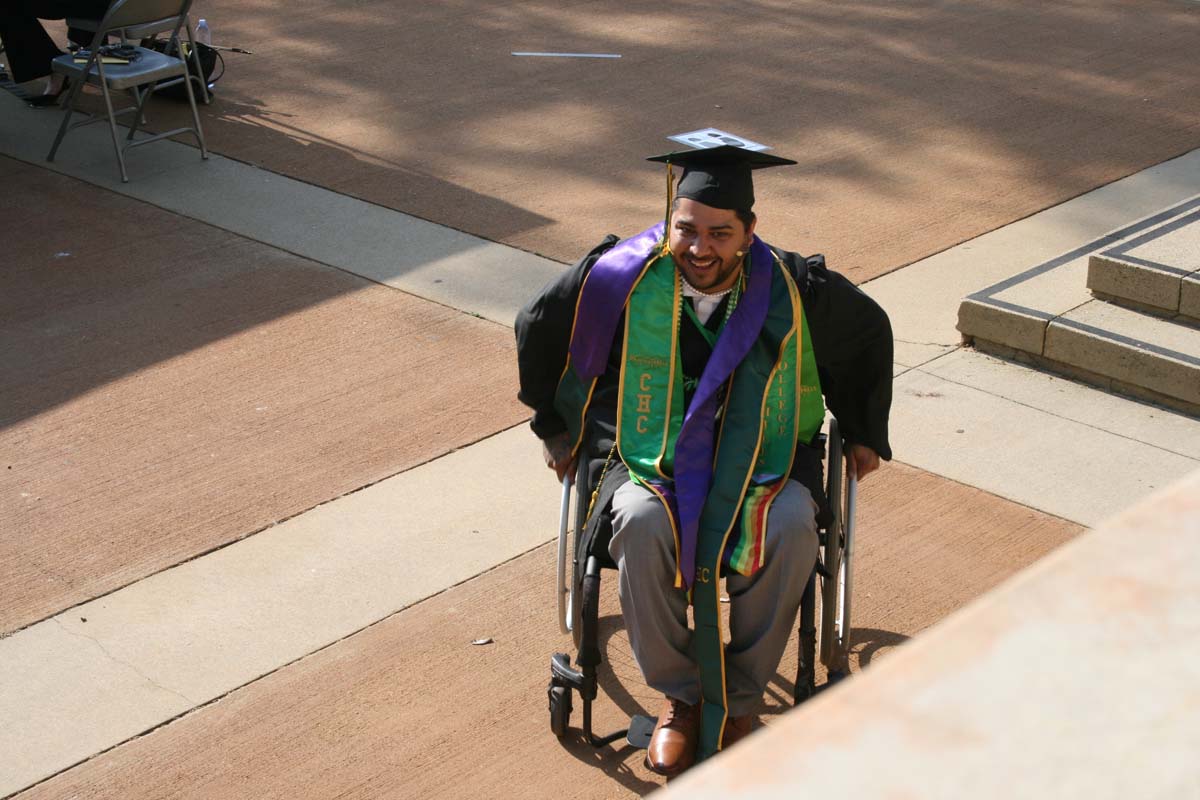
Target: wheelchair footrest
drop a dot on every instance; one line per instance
(640, 729)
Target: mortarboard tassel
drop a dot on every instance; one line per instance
(667, 217)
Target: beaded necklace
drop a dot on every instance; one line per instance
(735, 294)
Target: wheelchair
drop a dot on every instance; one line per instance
(577, 598)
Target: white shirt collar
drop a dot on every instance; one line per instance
(704, 302)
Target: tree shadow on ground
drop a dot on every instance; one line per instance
(33, 278)
(915, 125)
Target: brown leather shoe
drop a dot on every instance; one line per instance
(673, 744)
(736, 729)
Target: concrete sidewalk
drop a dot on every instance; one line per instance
(338, 576)
(1036, 430)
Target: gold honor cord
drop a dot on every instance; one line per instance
(670, 200)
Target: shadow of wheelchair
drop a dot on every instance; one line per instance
(865, 644)
(620, 681)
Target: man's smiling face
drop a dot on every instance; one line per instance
(704, 242)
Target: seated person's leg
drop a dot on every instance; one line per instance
(762, 607)
(643, 548)
(28, 48)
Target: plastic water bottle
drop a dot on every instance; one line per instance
(203, 33)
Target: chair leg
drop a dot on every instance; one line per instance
(140, 96)
(139, 101)
(187, 85)
(135, 96)
(72, 93)
(112, 124)
(195, 57)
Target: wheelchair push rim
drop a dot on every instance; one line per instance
(845, 584)
(563, 593)
(567, 593)
(831, 551)
(574, 600)
(837, 582)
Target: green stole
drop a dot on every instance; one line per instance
(772, 401)
(650, 408)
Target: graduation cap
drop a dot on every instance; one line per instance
(718, 176)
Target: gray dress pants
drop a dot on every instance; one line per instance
(762, 607)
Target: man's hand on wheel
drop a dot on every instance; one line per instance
(861, 460)
(557, 452)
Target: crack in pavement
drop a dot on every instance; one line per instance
(191, 703)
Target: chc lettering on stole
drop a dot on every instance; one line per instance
(643, 407)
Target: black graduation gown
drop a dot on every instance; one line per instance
(851, 340)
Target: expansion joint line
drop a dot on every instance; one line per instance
(952, 349)
(1042, 410)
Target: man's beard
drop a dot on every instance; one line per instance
(718, 273)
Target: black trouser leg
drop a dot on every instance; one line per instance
(28, 48)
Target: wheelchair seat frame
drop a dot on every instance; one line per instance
(577, 602)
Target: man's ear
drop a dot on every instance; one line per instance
(750, 230)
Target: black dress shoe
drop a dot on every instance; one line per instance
(47, 100)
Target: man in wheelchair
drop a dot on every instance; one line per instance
(687, 366)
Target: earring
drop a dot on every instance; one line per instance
(740, 253)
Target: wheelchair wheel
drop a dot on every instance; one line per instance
(560, 709)
(567, 588)
(562, 592)
(836, 618)
(806, 673)
(833, 544)
(575, 598)
(575, 604)
(845, 584)
(589, 615)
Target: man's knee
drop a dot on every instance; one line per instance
(792, 524)
(641, 525)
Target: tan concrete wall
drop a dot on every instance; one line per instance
(1076, 679)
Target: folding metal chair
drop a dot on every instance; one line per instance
(146, 70)
(141, 33)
